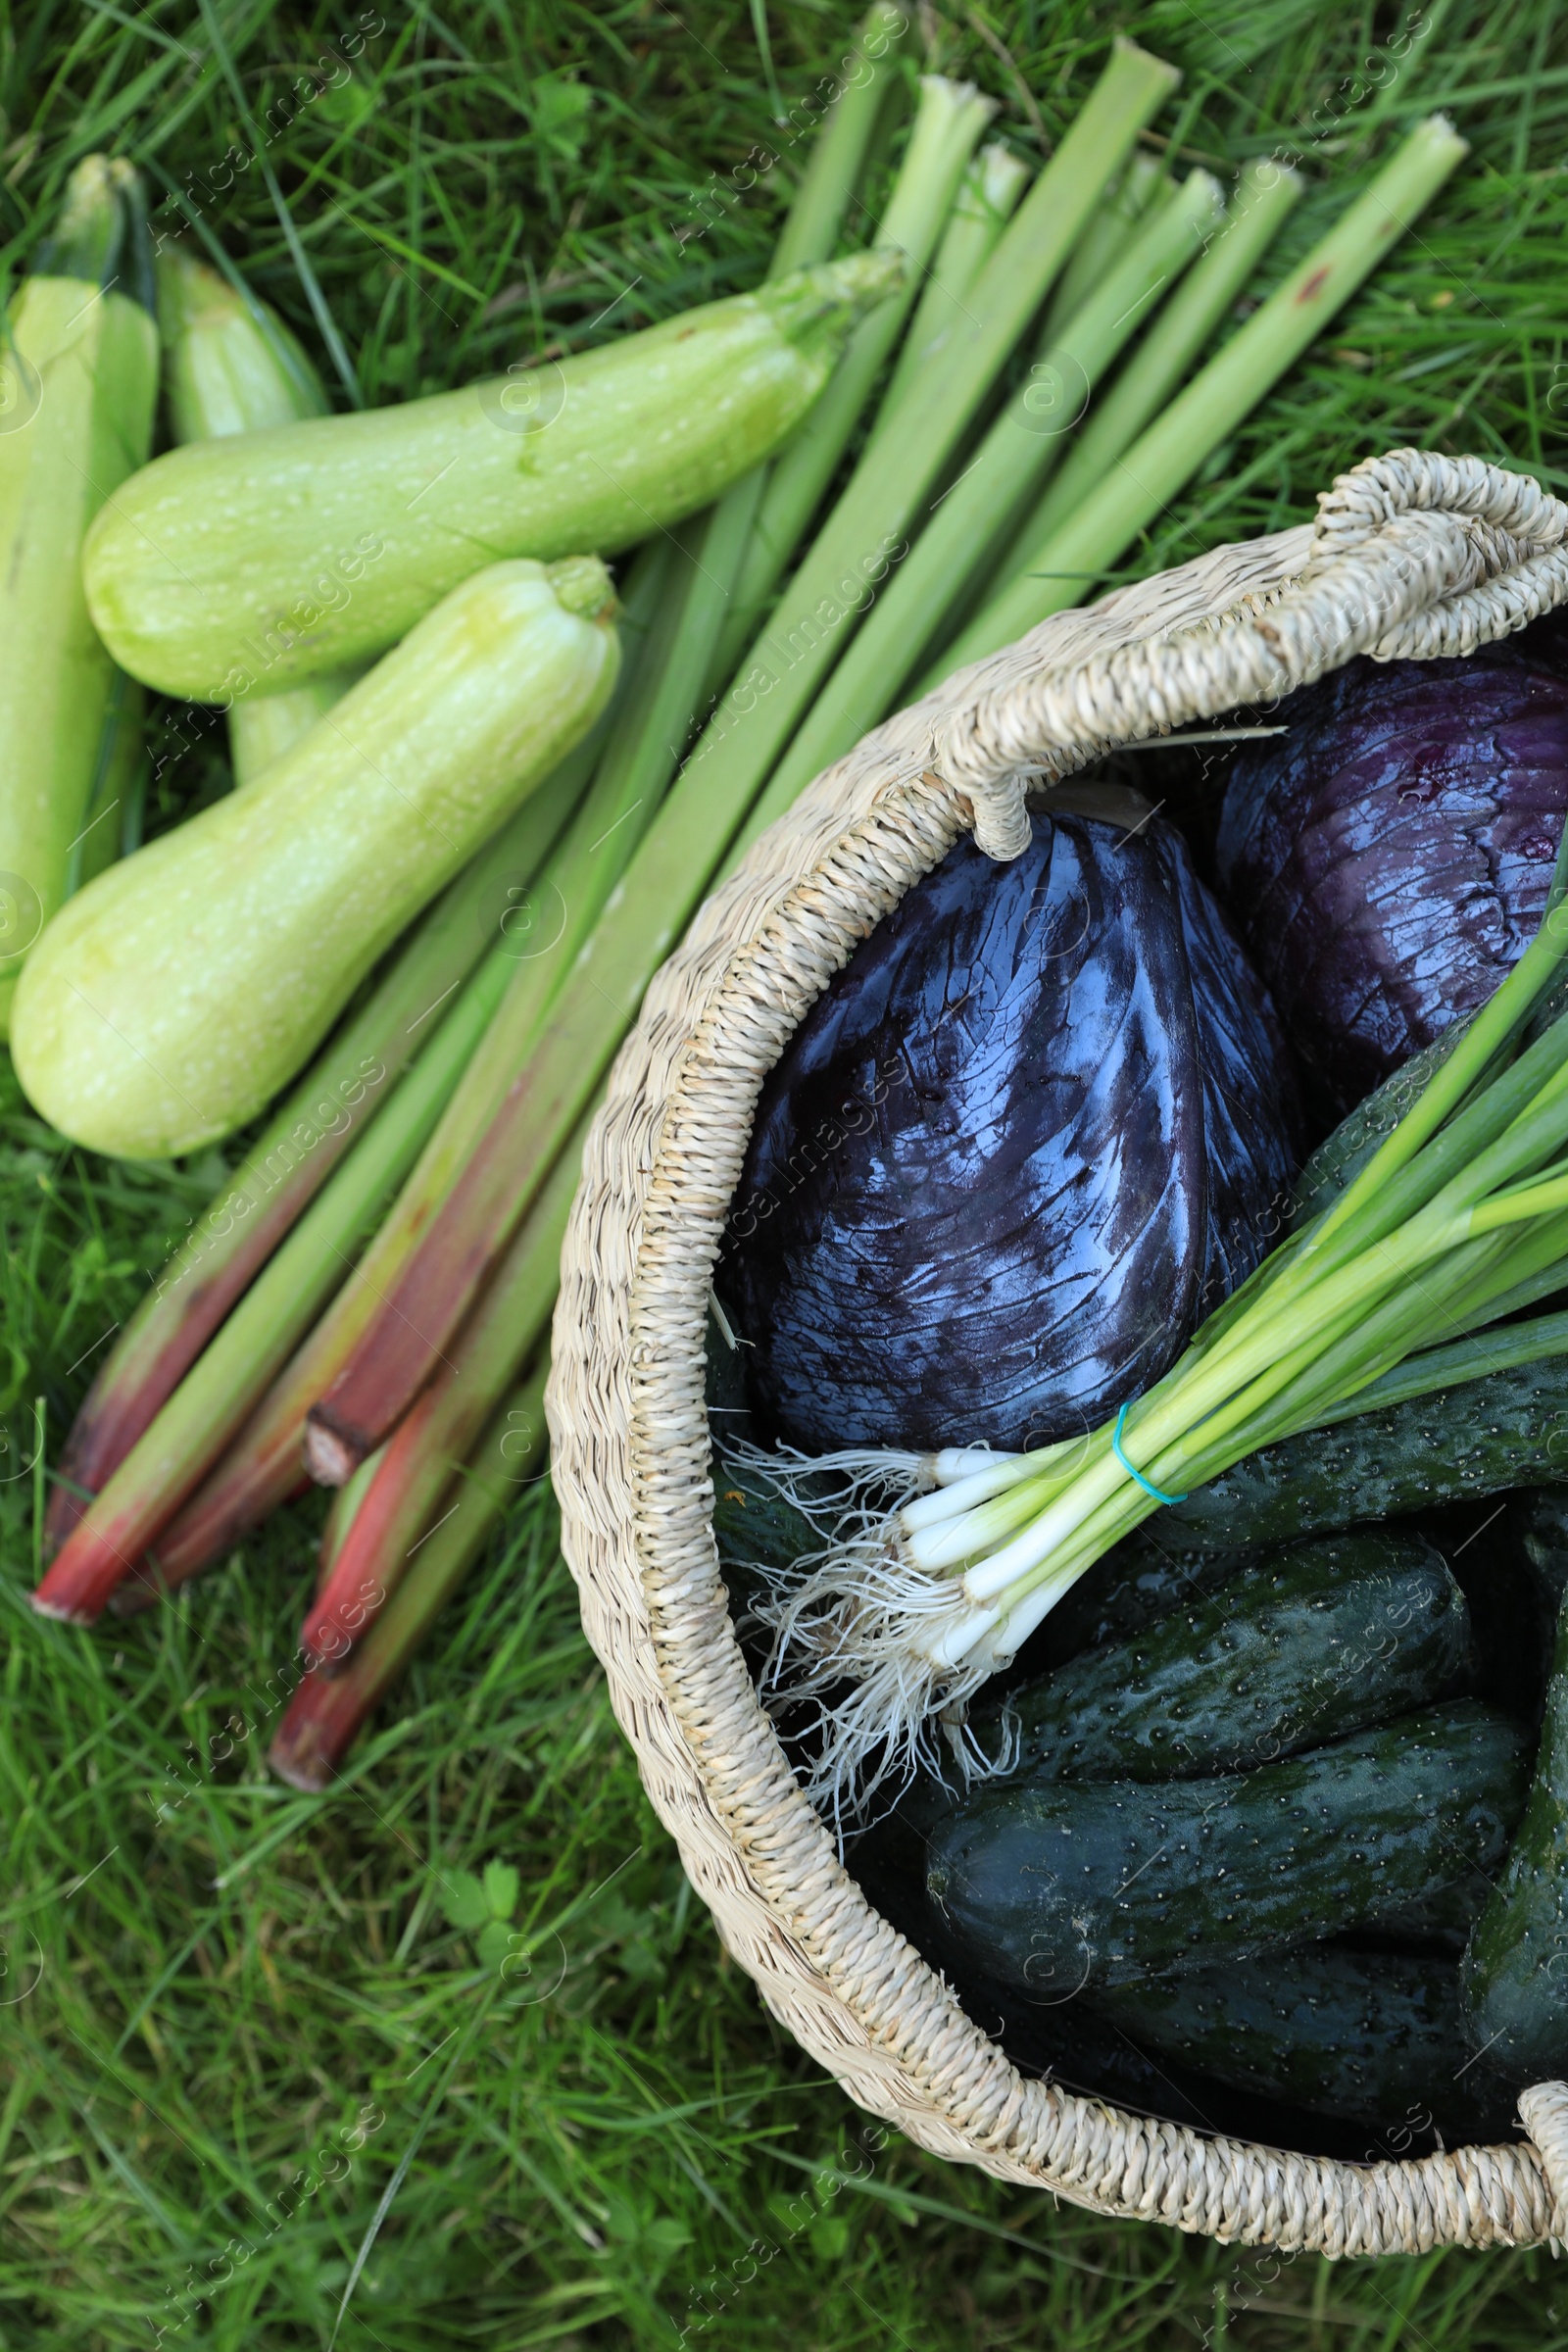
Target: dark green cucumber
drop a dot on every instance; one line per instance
(1509, 1429)
(756, 1529)
(1139, 1581)
(1059, 1886)
(1515, 1966)
(1374, 2036)
(1537, 1525)
(1438, 1925)
(1317, 1641)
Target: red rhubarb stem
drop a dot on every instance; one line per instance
(213, 1399)
(327, 1710)
(394, 1514)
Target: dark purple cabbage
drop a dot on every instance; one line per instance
(1387, 860)
(1032, 1131)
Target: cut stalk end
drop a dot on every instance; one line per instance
(333, 1454)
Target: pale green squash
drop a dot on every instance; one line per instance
(170, 1000)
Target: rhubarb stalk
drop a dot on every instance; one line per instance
(1219, 397)
(985, 203)
(481, 1363)
(323, 1116)
(211, 1402)
(951, 119)
(1017, 452)
(327, 1710)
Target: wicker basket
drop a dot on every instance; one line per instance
(1411, 555)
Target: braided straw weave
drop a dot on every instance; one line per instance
(1411, 555)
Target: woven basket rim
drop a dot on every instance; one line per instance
(1455, 555)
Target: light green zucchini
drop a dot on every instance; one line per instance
(78, 380)
(261, 559)
(173, 997)
(231, 366)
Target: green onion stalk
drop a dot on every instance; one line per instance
(683, 847)
(1460, 1212)
(328, 1708)
(231, 366)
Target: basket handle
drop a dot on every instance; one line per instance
(1543, 2112)
(1413, 556)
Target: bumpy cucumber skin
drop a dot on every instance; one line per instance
(1515, 1968)
(1318, 1641)
(1135, 1584)
(1507, 1429)
(1060, 1887)
(1377, 2036)
(1438, 1924)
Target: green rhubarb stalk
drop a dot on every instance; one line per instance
(118, 773)
(633, 777)
(78, 380)
(213, 1399)
(479, 1365)
(862, 536)
(1265, 195)
(346, 1501)
(263, 1462)
(1019, 449)
(1106, 236)
(838, 153)
(327, 1710)
(987, 199)
(320, 1121)
(834, 169)
(951, 119)
(231, 366)
(678, 855)
(635, 770)
(1164, 460)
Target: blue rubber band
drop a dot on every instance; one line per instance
(1131, 1468)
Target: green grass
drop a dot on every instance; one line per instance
(576, 2121)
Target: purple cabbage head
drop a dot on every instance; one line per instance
(1386, 859)
(1037, 1127)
